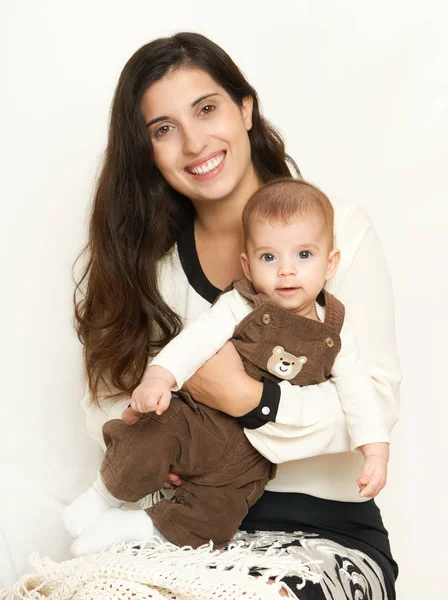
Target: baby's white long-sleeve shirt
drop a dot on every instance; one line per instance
(202, 338)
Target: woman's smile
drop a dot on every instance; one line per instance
(207, 168)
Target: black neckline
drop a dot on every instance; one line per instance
(189, 259)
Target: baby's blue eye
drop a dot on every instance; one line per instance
(304, 254)
(268, 257)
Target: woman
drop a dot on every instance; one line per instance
(187, 147)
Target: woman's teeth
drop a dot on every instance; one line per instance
(208, 166)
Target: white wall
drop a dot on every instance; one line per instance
(360, 92)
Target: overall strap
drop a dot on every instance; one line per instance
(334, 310)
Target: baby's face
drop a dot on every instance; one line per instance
(290, 263)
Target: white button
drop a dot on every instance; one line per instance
(265, 410)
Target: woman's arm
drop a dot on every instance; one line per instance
(223, 384)
(200, 340)
(314, 413)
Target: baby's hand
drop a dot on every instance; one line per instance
(154, 392)
(374, 473)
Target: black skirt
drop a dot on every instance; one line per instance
(347, 538)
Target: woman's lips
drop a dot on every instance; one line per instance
(208, 168)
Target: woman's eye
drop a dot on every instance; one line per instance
(161, 131)
(267, 257)
(208, 108)
(304, 254)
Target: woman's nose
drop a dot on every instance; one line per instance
(194, 140)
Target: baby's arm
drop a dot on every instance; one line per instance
(364, 418)
(202, 338)
(188, 351)
(154, 391)
(365, 422)
(374, 473)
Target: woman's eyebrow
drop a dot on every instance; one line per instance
(193, 104)
(196, 102)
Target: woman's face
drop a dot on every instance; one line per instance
(199, 136)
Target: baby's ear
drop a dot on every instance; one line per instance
(246, 266)
(333, 263)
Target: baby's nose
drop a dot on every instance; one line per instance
(287, 269)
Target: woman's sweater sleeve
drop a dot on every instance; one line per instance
(96, 416)
(312, 415)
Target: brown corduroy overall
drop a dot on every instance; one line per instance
(223, 475)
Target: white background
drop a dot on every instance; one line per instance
(360, 92)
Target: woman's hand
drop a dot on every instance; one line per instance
(222, 383)
(173, 481)
(130, 416)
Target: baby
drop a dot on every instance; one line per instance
(285, 326)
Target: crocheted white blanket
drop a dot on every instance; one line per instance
(157, 570)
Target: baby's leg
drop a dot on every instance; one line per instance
(114, 525)
(136, 464)
(84, 509)
(202, 513)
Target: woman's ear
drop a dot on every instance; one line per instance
(246, 266)
(333, 263)
(246, 110)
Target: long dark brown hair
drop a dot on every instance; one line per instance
(120, 316)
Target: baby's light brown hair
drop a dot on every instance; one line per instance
(280, 200)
